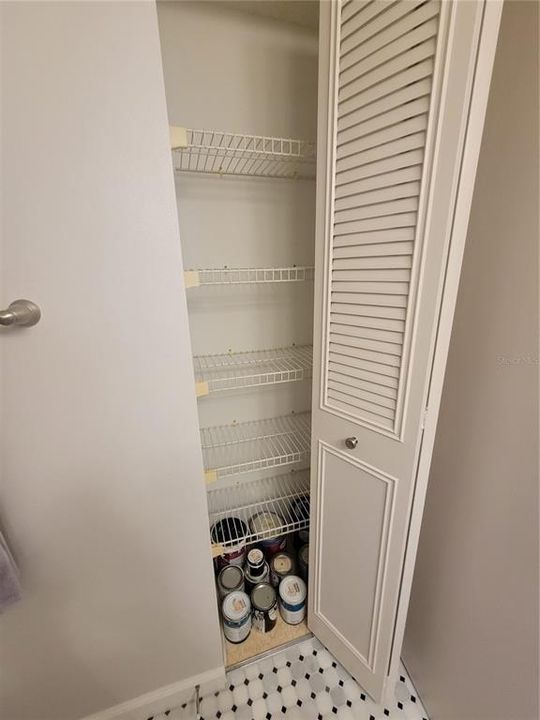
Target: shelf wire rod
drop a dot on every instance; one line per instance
(283, 494)
(229, 145)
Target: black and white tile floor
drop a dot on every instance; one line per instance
(301, 682)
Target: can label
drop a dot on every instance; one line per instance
(237, 631)
(252, 581)
(292, 614)
(234, 556)
(264, 620)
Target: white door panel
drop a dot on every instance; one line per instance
(395, 92)
(102, 499)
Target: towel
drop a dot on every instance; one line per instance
(10, 588)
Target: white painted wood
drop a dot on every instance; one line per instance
(467, 173)
(165, 698)
(376, 315)
(102, 497)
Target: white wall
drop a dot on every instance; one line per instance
(229, 70)
(102, 496)
(471, 643)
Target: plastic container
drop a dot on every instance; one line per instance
(292, 599)
(236, 611)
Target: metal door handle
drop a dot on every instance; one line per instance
(21, 312)
(351, 442)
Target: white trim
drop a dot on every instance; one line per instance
(165, 698)
(382, 562)
(471, 150)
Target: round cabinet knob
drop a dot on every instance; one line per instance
(351, 442)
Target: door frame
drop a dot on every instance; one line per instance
(489, 31)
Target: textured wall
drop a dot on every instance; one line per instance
(471, 639)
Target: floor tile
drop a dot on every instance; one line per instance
(301, 682)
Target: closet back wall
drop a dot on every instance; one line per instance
(232, 71)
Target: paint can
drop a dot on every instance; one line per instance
(230, 530)
(265, 523)
(265, 607)
(236, 611)
(301, 538)
(281, 565)
(230, 579)
(299, 508)
(256, 570)
(303, 562)
(292, 599)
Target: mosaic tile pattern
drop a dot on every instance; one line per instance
(301, 682)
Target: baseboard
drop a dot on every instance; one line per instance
(165, 698)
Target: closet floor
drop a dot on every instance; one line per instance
(301, 682)
(258, 643)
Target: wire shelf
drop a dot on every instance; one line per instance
(244, 447)
(246, 276)
(224, 153)
(231, 371)
(284, 495)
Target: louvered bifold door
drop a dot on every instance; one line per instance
(394, 99)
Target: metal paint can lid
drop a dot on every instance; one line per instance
(282, 564)
(230, 577)
(266, 521)
(292, 590)
(263, 597)
(236, 606)
(255, 558)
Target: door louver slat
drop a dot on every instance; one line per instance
(386, 65)
(348, 149)
(373, 251)
(378, 400)
(390, 183)
(360, 30)
(367, 11)
(362, 96)
(377, 237)
(399, 220)
(389, 348)
(391, 207)
(351, 71)
(391, 76)
(359, 50)
(373, 311)
(354, 382)
(376, 111)
(384, 158)
(375, 378)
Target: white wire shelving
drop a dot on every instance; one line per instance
(286, 496)
(224, 153)
(247, 276)
(232, 371)
(257, 445)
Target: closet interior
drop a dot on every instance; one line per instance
(241, 87)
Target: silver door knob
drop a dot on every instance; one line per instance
(351, 442)
(21, 312)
